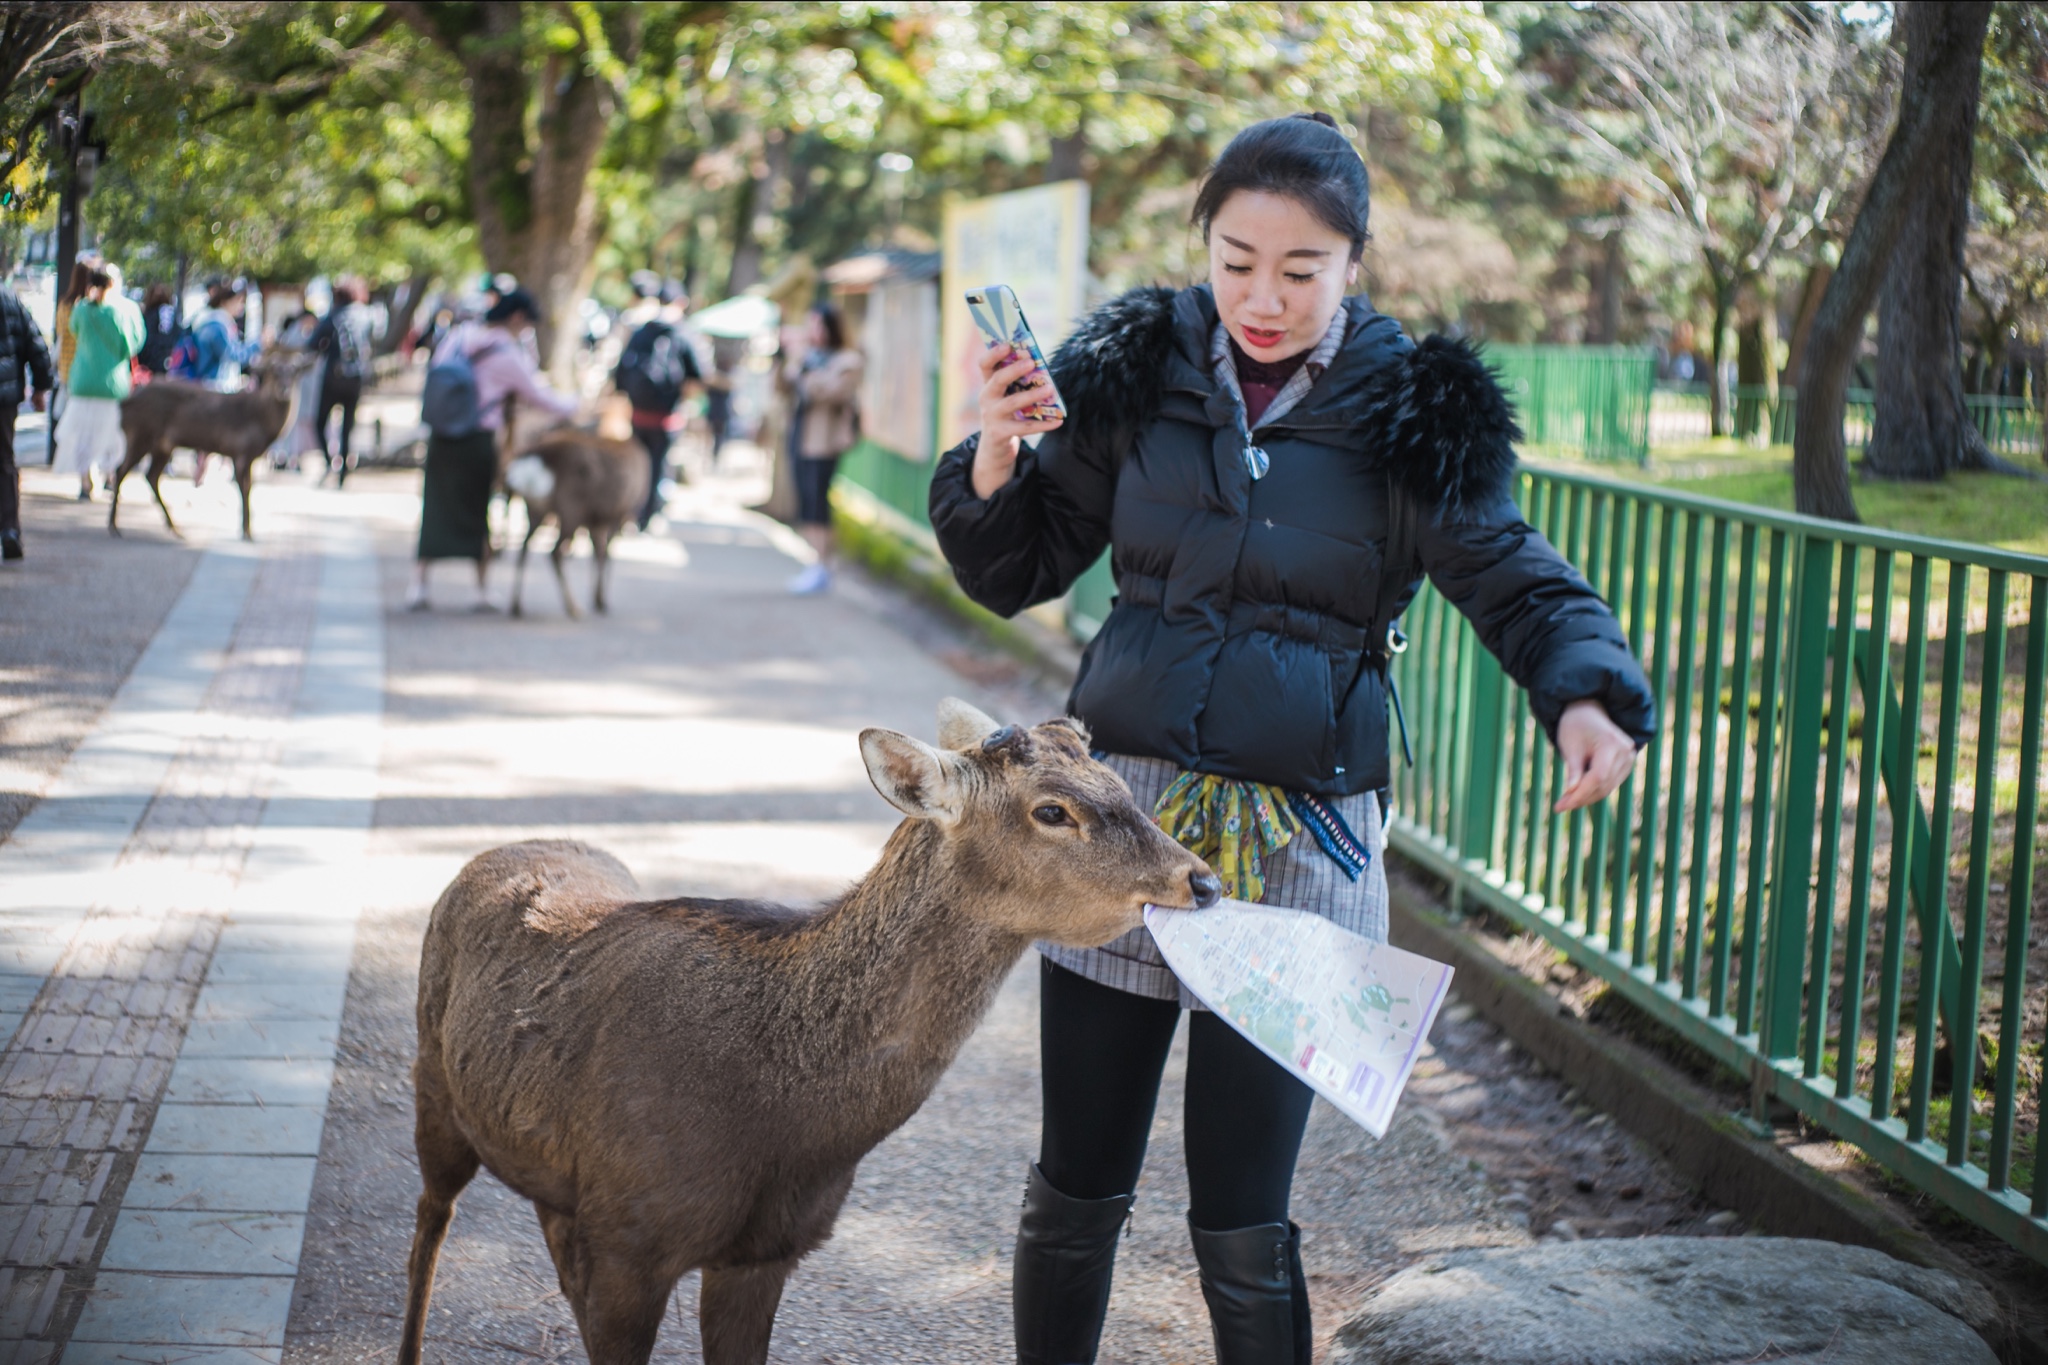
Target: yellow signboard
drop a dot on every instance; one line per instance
(1035, 241)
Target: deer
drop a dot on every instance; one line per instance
(690, 1084)
(159, 418)
(582, 482)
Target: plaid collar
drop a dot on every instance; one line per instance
(1298, 384)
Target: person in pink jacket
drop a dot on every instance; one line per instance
(461, 470)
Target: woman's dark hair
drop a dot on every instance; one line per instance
(219, 292)
(1303, 157)
(156, 296)
(80, 281)
(98, 279)
(511, 304)
(835, 326)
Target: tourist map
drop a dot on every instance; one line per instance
(1348, 1015)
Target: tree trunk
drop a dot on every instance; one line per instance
(535, 206)
(1717, 375)
(1613, 280)
(757, 203)
(1921, 428)
(1950, 43)
(1752, 364)
(1065, 161)
(1817, 277)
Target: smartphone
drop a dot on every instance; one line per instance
(1001, 320)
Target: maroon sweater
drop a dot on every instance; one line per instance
(1262, 380)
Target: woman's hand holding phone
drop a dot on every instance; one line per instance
(1002, 429)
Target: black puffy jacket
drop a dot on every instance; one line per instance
(21, 344)
(1245, 637)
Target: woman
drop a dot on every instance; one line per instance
(461, 470)
(107, 331)
(1273, 466)
(296, 333)
(826, 382)
(67, 343)
(160, 330)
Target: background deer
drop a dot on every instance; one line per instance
(691, 1083)
(581, 482)
(158, 418)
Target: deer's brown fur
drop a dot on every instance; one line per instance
(599, 484)
(690, 1084)
(160, 418)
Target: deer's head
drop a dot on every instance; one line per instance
(278, 369)
(1049, 841)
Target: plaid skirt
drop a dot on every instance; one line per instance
(1300, 876)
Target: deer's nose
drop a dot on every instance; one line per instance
(1208, 890)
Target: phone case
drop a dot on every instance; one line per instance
(1001, 320)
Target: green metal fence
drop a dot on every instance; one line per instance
(1594, 399)
(1822, 872)
(902, 485)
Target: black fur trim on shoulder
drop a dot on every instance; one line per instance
(1444, 427)
(1111, 369)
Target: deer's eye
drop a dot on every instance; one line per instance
(1052, 815)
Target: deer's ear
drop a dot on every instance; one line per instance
(962, 726)
(911, 775)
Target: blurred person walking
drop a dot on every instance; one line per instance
(299, 439)
(476, 371)
(213, 351)
(22, 348)
(655, 371)
(1273, 467)
(161, 330)
(67, 342)
(108, 331)
(344, 339)
(825, 425)
(718, 387)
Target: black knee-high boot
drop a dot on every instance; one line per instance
(1066, 1251)
(1257, 1294)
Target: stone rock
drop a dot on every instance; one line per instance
(1669, 1301)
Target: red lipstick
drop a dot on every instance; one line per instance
(1263, 339)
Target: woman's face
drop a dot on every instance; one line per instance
(816, 332)
(1279, 273)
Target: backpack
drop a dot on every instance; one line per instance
(448, 398)
(351, 356)
(654, 367)
(183, 362)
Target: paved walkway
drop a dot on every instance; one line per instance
(209, 927)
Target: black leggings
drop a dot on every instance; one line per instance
(1103, 1051)
(344, 395)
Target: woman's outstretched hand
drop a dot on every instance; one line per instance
(1597, 754)
(1001, 428)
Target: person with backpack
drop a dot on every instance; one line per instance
(654, 371)
(21, 348)
(476, 372)
(344, 338)
(217, 352)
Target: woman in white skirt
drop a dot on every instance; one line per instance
(109, 331)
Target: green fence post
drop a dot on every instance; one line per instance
(1487, 709)
(1793, 867)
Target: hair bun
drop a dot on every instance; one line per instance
(1318, 116)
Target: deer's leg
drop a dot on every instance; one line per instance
(447, 1162)
(245, 471)
(736, 1311)
(601, 555)
(128, 462)
(619, 1299)
(159, 461)
(558, 554)
(519, 568)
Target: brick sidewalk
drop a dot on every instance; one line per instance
(163, 1092)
